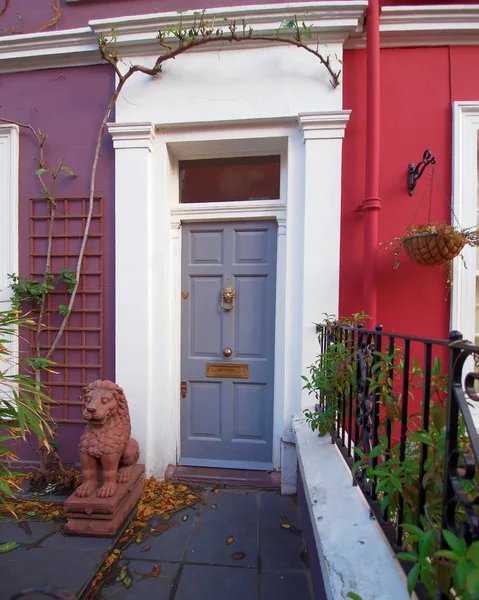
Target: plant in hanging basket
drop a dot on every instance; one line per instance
(432, 244)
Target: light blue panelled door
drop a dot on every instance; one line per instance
(227, 344)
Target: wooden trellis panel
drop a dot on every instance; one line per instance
(78, 356)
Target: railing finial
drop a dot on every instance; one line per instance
(455, 336)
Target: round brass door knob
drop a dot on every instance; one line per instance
(227, 352)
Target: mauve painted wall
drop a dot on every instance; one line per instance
(25, 16)
(416, 113)
(68, 105)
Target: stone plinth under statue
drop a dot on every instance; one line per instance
(112, 481)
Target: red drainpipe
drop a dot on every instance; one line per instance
(372, 204)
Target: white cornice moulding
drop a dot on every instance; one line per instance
(401, 26)
(334, 22)
(324, 125)
(136, 35)
(46, 50)
(132, 135)
(406, 26)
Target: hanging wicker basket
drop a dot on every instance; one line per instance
(433, 248)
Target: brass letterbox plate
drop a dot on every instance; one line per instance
(233, 370)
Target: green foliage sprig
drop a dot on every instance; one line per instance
(331, 374)
(27, 289)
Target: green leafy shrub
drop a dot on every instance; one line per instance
(22, 400)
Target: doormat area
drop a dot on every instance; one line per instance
(224, 478)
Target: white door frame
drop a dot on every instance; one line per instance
(465, 128)
(184, 146)
(148, 221)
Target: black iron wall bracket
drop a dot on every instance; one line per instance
(414, 172)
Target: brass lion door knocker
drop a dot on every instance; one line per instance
(228, 298)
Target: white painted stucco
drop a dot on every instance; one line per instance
(223, 102)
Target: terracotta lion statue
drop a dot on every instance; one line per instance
(106, 439)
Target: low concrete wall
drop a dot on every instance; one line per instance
(308, 535)
(353, 554)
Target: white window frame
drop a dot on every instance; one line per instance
(9, 169)
(464, 198)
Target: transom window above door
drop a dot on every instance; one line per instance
(230, 179)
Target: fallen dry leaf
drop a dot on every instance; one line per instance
(144, 549)
(184, 518)
(217, 491)
(230, 539)
(155, 571)
(291, 505)
(285, 525)
(213, 506)
(238, 555)
(175, 524)
(158, 498)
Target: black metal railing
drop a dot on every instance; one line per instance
(402, 400)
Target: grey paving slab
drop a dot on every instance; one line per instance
(144, 587)
(235, 516)
(170, 544)
(286, 585)
(69, 542)
(195, 559)
(202, 582)
(279, 548)
(14, 532)
(24, 568)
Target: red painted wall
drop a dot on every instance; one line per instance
(418, 86)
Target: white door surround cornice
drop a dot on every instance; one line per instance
(137, 35)
(132, 135)
(324, 125)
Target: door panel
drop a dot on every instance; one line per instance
(228, 421)
(205, 327)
